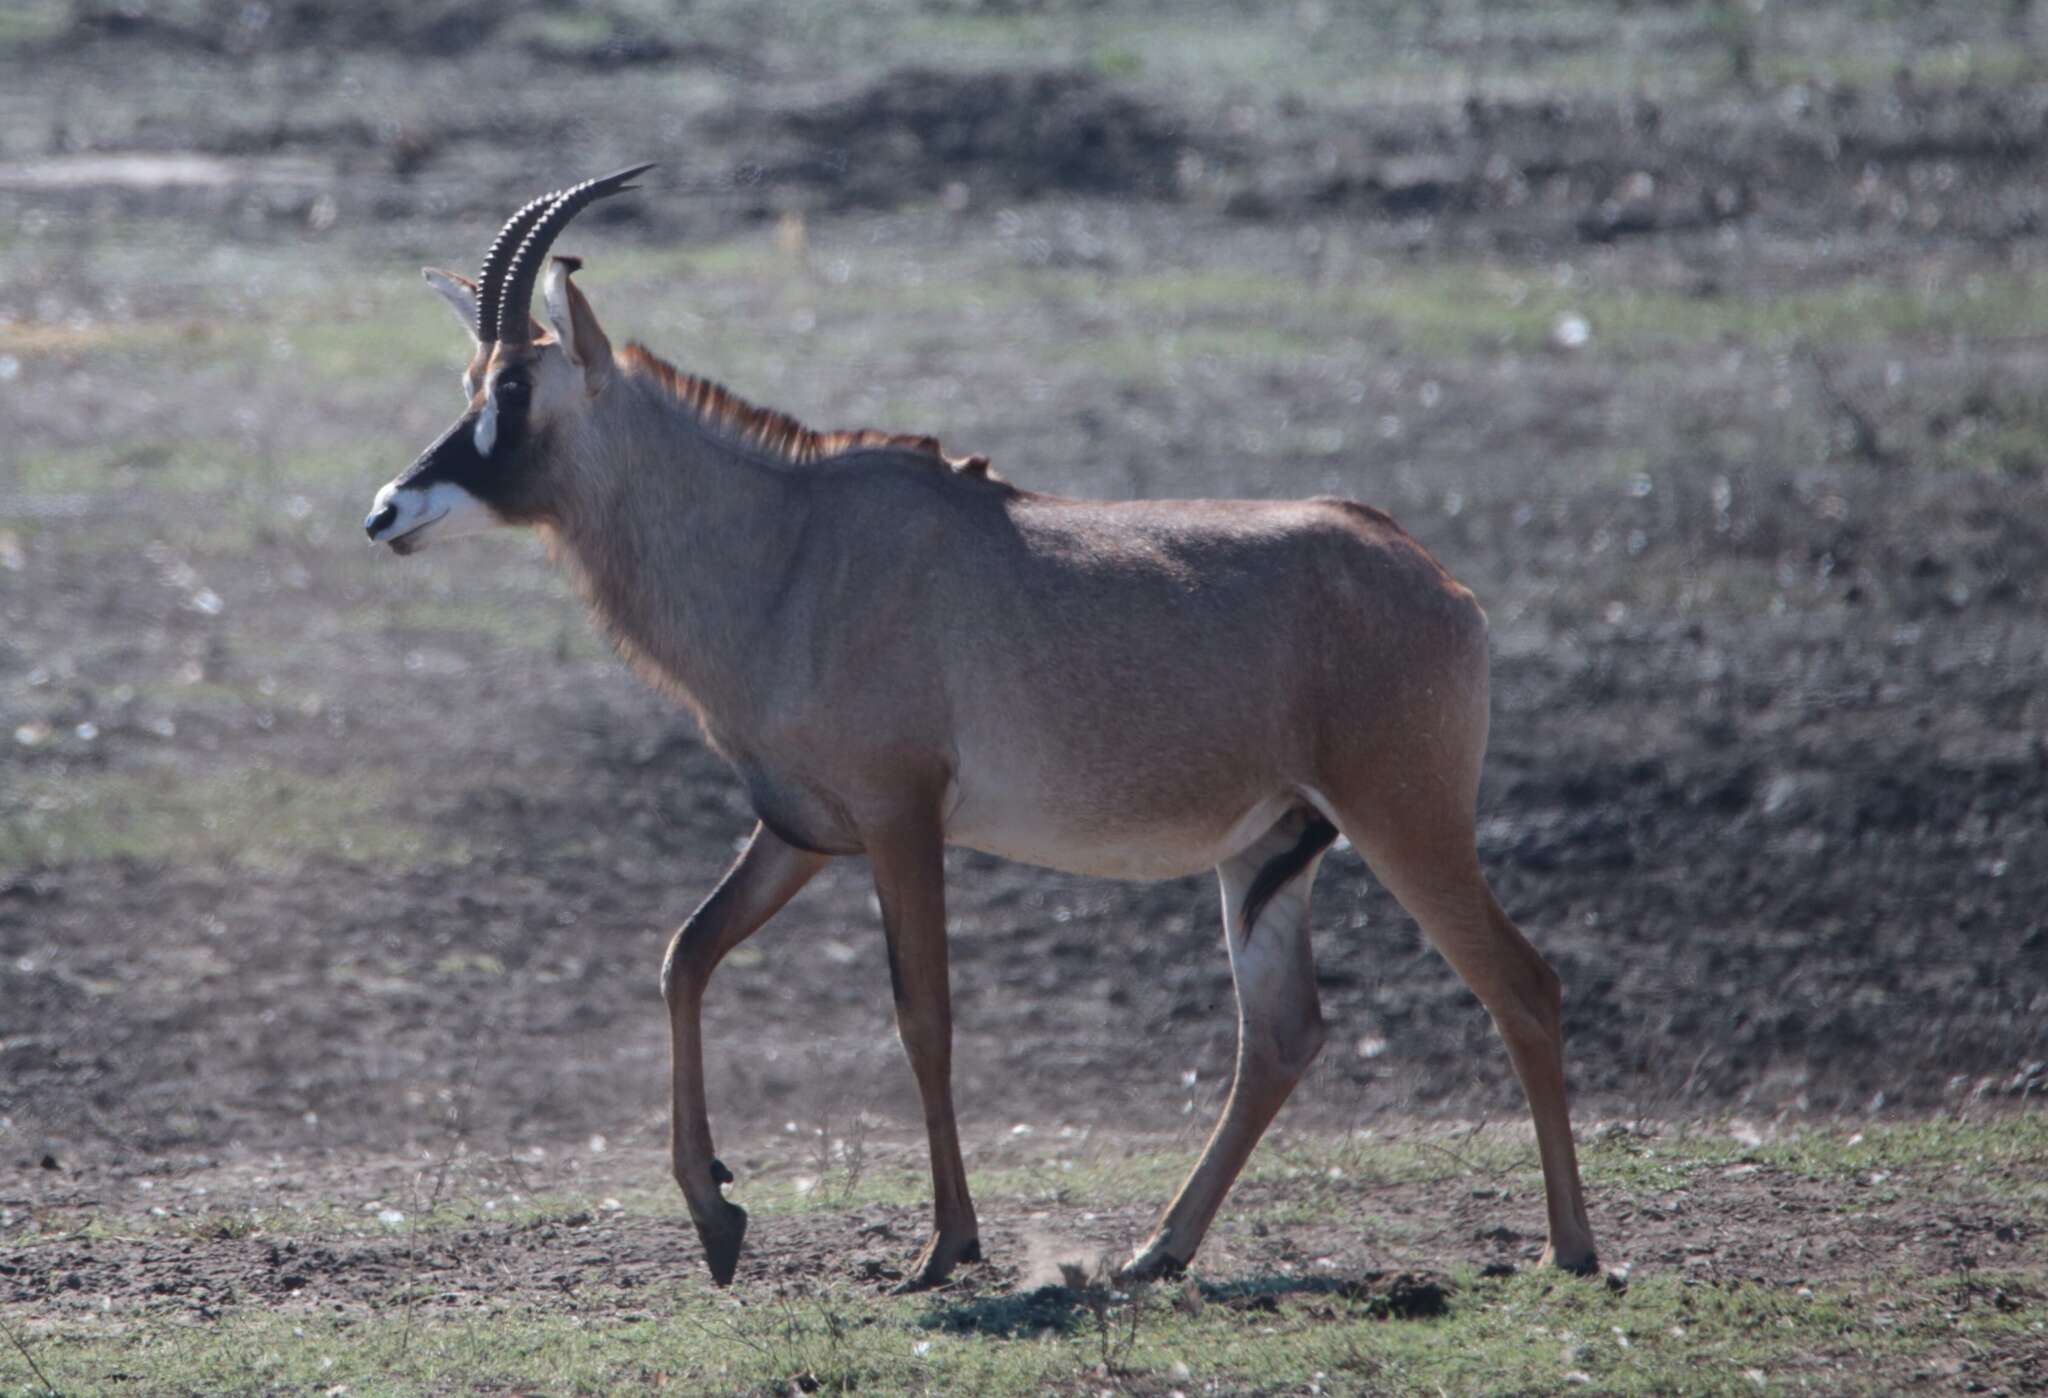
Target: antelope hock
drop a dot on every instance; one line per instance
(895, 650)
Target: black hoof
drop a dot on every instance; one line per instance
(721, 1238)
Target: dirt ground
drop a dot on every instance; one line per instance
(305, 869)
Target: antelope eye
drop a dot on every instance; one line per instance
(513, 388)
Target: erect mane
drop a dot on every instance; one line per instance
(778, 434)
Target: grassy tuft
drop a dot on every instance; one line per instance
(264, 819)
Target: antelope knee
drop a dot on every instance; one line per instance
(1290, 1048)
(681, 972)
(1543, 998)
(668, 978)
(1307, 1042)
(1533, 1017)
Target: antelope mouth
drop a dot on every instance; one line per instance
(413, 539)
(405, 519)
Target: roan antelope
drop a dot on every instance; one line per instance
(896, 651)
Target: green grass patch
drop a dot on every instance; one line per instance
(1474, 308)
(117, 341)
(1523, 1333)
(1288, 1329)
(686, 272)
(1151, 324)
(32, 21)
(1339, 54)
(1295, 1176)
(525, 610)
(185, 467)
(2005, 1157)
(1987, 63)
(264, 819)
(382, 337)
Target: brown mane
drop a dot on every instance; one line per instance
(775, 433)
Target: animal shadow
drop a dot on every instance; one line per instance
(1062, 1310)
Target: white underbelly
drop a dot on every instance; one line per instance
(1077, 839)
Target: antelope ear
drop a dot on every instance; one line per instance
(576, 327)
(458, 291)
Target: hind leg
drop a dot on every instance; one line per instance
(1427, 860)
(1279, 1025)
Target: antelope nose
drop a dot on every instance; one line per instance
(379, 520)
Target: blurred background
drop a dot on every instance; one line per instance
(1706, 341)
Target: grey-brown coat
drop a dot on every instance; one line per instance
(897, 650)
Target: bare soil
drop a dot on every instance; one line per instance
(1763, 1224)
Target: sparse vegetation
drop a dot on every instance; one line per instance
(260, 819)
(1683, 1314)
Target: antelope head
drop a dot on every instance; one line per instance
(527, 385)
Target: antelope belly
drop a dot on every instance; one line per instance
(1079, 839)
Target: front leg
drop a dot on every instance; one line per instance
(910, 881)
(767, 874)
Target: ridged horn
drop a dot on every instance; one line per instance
(515, 301)
(490, 280)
